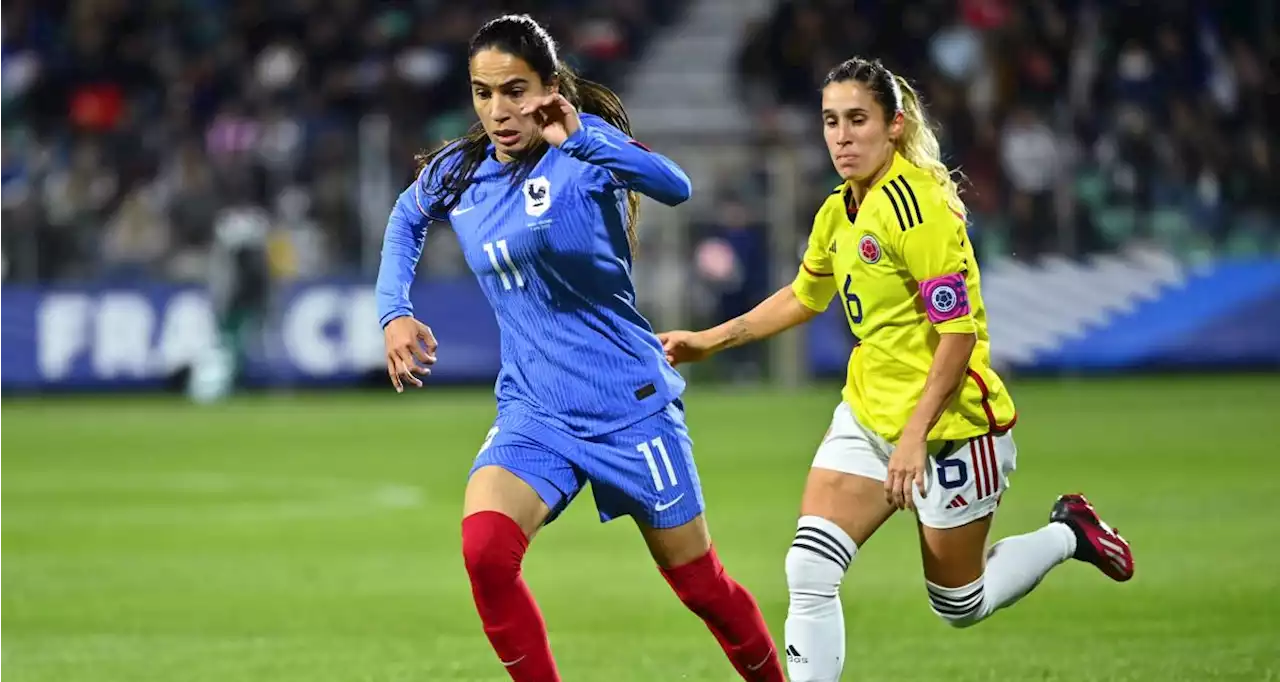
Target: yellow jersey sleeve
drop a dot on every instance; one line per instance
(815, 284)
(930, 238)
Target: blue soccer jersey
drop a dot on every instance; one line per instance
(584, 392)
(552, 256)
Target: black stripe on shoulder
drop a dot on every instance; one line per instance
(897, 211)
(915, 204)
(906, 207)
(838, 190)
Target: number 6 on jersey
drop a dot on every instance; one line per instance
(852, 304)
(510, 266)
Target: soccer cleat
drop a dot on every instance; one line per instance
(1096, 542)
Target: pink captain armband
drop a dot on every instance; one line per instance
(945, 298)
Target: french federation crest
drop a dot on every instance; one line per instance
(537, 196)
(869, 249)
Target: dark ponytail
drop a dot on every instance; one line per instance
(590, 97)
(519, 35)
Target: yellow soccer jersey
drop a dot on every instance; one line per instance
(903, 267)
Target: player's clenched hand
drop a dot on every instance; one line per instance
(685, 346)
(411, 347)
(555, 115)
(906, 469)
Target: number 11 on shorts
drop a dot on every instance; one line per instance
(647, 451)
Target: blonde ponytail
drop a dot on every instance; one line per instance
(919, 144)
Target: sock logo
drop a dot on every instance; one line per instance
(793, 655)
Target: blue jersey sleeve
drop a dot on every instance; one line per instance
(401, 248)
(415, 209)
(654, 175)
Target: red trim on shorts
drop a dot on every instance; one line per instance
(816, 274)
(986, 470)
(977, 470)
(993, 481)
(984, 448)
(996, 427)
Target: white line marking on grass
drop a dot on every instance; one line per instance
(179, 498)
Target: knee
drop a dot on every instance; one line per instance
(959, 607)
(492, 547)
(701, 583)
(819, 557)
(812, 574)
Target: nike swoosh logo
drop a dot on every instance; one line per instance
(508, 665)
(460, 211)
(663, 506)
(759, 665)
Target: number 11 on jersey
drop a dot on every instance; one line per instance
(653, 464)
(510, 266)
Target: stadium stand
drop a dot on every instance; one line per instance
(1117, 155)
(1082, 126)
(1118, 158)
(131, 128)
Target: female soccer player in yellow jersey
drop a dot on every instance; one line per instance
(924, 424)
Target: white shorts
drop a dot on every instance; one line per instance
(964, 479)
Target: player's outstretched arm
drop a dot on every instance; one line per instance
(935, 256)
(636, 167)
(945, 378)
(601, 144)
(410, 344)
(401, 247)
(776, 314)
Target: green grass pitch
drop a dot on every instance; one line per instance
(315, 539)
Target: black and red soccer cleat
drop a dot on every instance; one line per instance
(1096, 542)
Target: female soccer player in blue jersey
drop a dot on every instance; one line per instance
(542, 197)
(925, 423)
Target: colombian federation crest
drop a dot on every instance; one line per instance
(944, 298)
(537, 196)
(869, 249)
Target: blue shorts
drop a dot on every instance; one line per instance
(645, 471)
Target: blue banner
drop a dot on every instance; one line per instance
(327, 332)
(315, 333)
(1110, 315)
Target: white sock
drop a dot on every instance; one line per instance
(1014, 567)
(816, 563)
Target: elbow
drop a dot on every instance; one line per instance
(678, 190)
(677, 187)
(684, 189)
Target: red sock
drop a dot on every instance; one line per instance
(731, 614)
(493, 546)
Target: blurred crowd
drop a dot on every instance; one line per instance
(1080, 124)
(137, 133)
